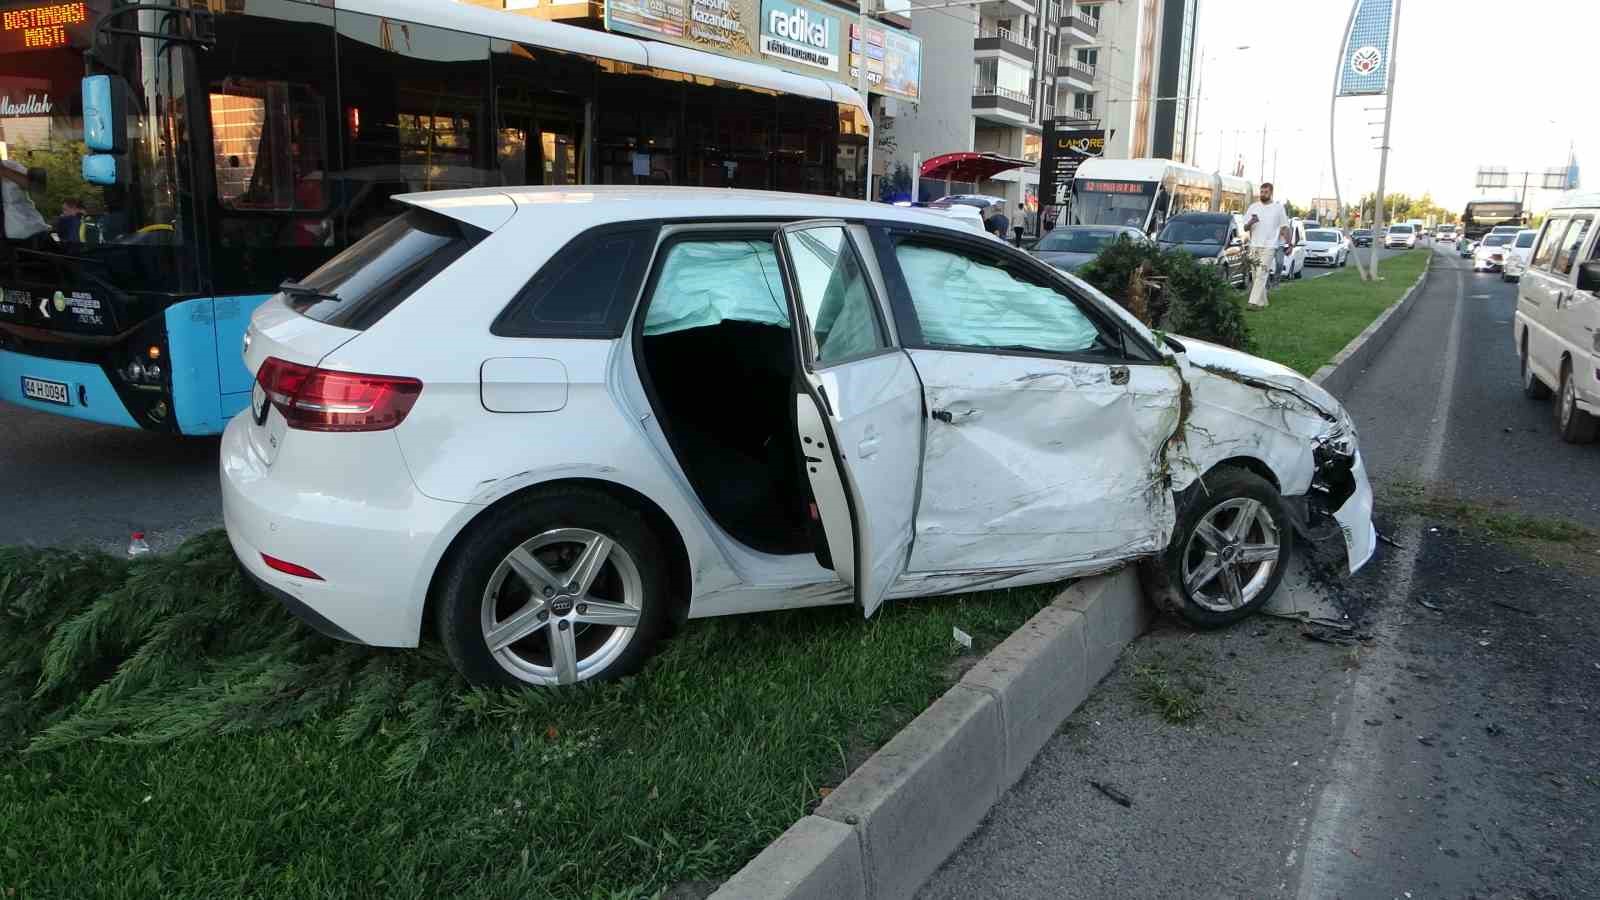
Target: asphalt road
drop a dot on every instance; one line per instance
(1453, 754)
(69, 483)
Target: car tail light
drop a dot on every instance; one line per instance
(289, 568)
(313, 399)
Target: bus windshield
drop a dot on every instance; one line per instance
(1101, 202)
(61, 231)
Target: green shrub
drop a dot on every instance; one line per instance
(1180, 295)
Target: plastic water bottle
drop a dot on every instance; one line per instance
(137, 545)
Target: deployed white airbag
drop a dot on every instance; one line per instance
(961, 303)
(705, 282)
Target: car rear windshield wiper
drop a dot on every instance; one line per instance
(305, 290)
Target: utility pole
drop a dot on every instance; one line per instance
(1383, 157)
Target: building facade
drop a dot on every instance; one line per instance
(1127, 66)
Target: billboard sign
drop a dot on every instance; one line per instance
(1365, 69)
(1064, 150)
(801, 36)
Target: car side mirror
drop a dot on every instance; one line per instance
(1589, 276)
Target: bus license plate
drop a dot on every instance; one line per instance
(48, 391)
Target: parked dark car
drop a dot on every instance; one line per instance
(1362, 237)
(1213, 238)
(1070, 246)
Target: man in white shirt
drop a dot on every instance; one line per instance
(1268, 224)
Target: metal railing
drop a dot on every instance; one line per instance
(1082, 23)
(994, 90)
(1079, 115)
(1080, 68)
(1006, 34)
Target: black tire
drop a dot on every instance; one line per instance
(1532, 387)
(1573, 424)
(462, 591)
(1163, 575)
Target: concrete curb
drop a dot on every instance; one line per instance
(1341, 373)
(895, 820)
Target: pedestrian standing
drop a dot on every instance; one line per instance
(1268, 225)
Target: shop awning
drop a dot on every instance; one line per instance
(970, 167)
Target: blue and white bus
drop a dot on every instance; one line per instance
(236, 144)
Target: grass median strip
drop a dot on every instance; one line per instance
(172, 733)
(1309, 321)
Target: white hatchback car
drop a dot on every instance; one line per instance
(1326, 247)
(559, 420)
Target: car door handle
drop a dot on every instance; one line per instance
(956, 418)
(1561, 297)
(868, 447)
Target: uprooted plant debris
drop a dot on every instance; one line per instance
(160, 648)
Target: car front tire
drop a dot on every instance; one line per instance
(1229, 550)
(556, 587)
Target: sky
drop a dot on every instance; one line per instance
(1476, 83)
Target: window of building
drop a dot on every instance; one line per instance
(1089, 56)
(1083, 105)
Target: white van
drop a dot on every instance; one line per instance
(1558, 314)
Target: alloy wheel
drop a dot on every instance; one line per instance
(561, 607)
(1231, 555)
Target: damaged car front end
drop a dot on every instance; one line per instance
(1297, 430)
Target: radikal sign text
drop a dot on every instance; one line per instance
(799, 34)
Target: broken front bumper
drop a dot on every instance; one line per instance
(1339, 503)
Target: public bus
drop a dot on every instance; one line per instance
(236, 144)
(1482, 216)
(1144, 193)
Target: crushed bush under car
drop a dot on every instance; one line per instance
(561, 420)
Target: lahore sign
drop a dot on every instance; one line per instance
(1064, 151)
(797, 35)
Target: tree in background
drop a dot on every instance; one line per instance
(1295, 212)
(62, 163)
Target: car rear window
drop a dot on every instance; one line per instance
(377, 273)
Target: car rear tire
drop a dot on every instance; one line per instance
(1574, 425)
(556, 587)
(1532, 387)
(1229, 550)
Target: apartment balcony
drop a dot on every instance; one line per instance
(995, 41)
(1008, 9)
(1078, 76)
(1078, 118)
(1001, 106)
(1077, 29)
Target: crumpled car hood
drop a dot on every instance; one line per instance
(1216, 357)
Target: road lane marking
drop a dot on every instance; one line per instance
(1334, 828)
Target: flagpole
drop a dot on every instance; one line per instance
(1383, 153)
